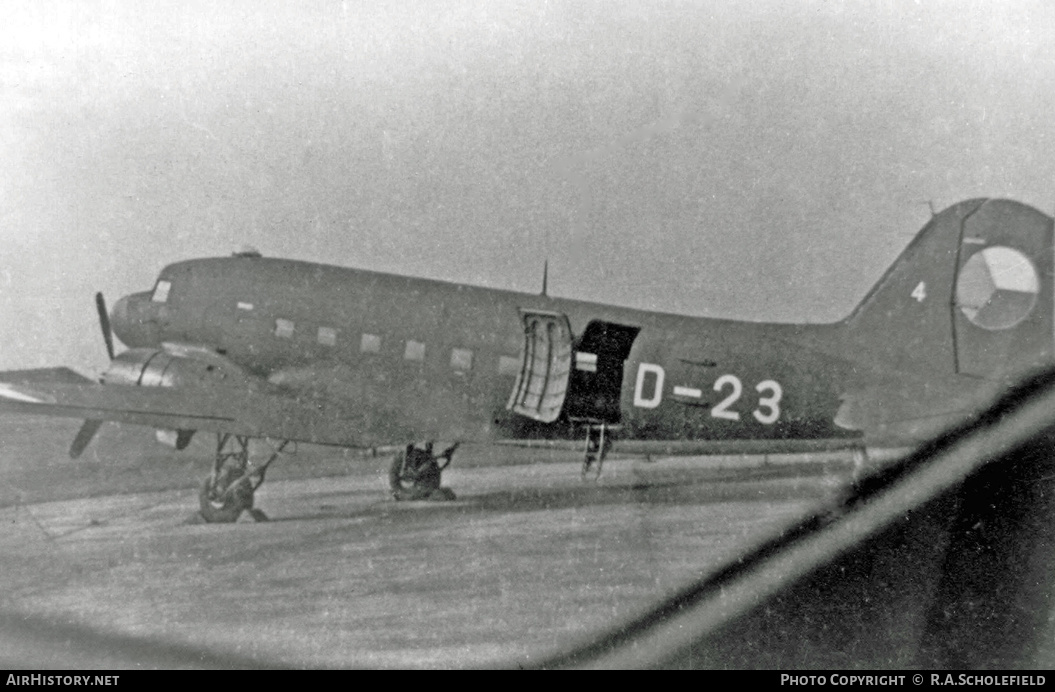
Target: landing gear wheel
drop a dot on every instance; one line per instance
(414, 474)
(228, 490)
(220, 505)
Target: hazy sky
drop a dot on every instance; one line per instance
(764, 160)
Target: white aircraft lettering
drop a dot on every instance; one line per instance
(657, 393)
(767, 412)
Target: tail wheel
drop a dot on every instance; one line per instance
(414, 474)
(221, 504)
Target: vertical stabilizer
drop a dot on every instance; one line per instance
(970, 295)
(1003, 301)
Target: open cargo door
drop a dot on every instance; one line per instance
(542, 382)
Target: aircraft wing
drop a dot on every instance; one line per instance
(63, 392)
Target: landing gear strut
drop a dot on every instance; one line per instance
(229, 489)
(415, 474)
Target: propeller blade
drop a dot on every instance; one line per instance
(104, 322)
(84, 436)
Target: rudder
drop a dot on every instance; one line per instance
(1003, 300)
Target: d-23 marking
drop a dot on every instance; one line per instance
(650, 383)
(766, 399)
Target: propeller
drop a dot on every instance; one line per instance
(104, 322)
(84, 436)
(91, 426)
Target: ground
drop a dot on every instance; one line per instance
(527, 561)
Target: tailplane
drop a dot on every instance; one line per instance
(972, 294)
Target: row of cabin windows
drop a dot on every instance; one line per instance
(461, 358)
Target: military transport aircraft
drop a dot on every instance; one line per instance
(251, 347)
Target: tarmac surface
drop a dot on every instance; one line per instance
(527, 561)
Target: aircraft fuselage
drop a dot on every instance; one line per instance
(373, 359)
(442, 359)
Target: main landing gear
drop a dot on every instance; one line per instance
(228, 490)
(415, 474)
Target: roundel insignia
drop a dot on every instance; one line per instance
(997, 288)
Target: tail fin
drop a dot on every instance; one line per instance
(972, 294)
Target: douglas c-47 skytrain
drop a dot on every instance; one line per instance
(253, 347)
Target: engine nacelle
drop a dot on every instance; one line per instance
(148, 367)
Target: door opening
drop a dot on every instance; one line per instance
(596, 382)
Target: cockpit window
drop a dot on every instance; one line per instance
(161, 292)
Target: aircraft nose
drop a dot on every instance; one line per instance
(119, 321)
(130, 324)
(119, 313)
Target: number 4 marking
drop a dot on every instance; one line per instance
(920, 291)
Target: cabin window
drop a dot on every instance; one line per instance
(327, 336)
(283, 328)
(370, 343)
(415, 351)
(461, 359)
(508, 365)
(161, 292)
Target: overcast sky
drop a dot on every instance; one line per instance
(763, 160)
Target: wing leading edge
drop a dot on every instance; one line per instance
(62, 392)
